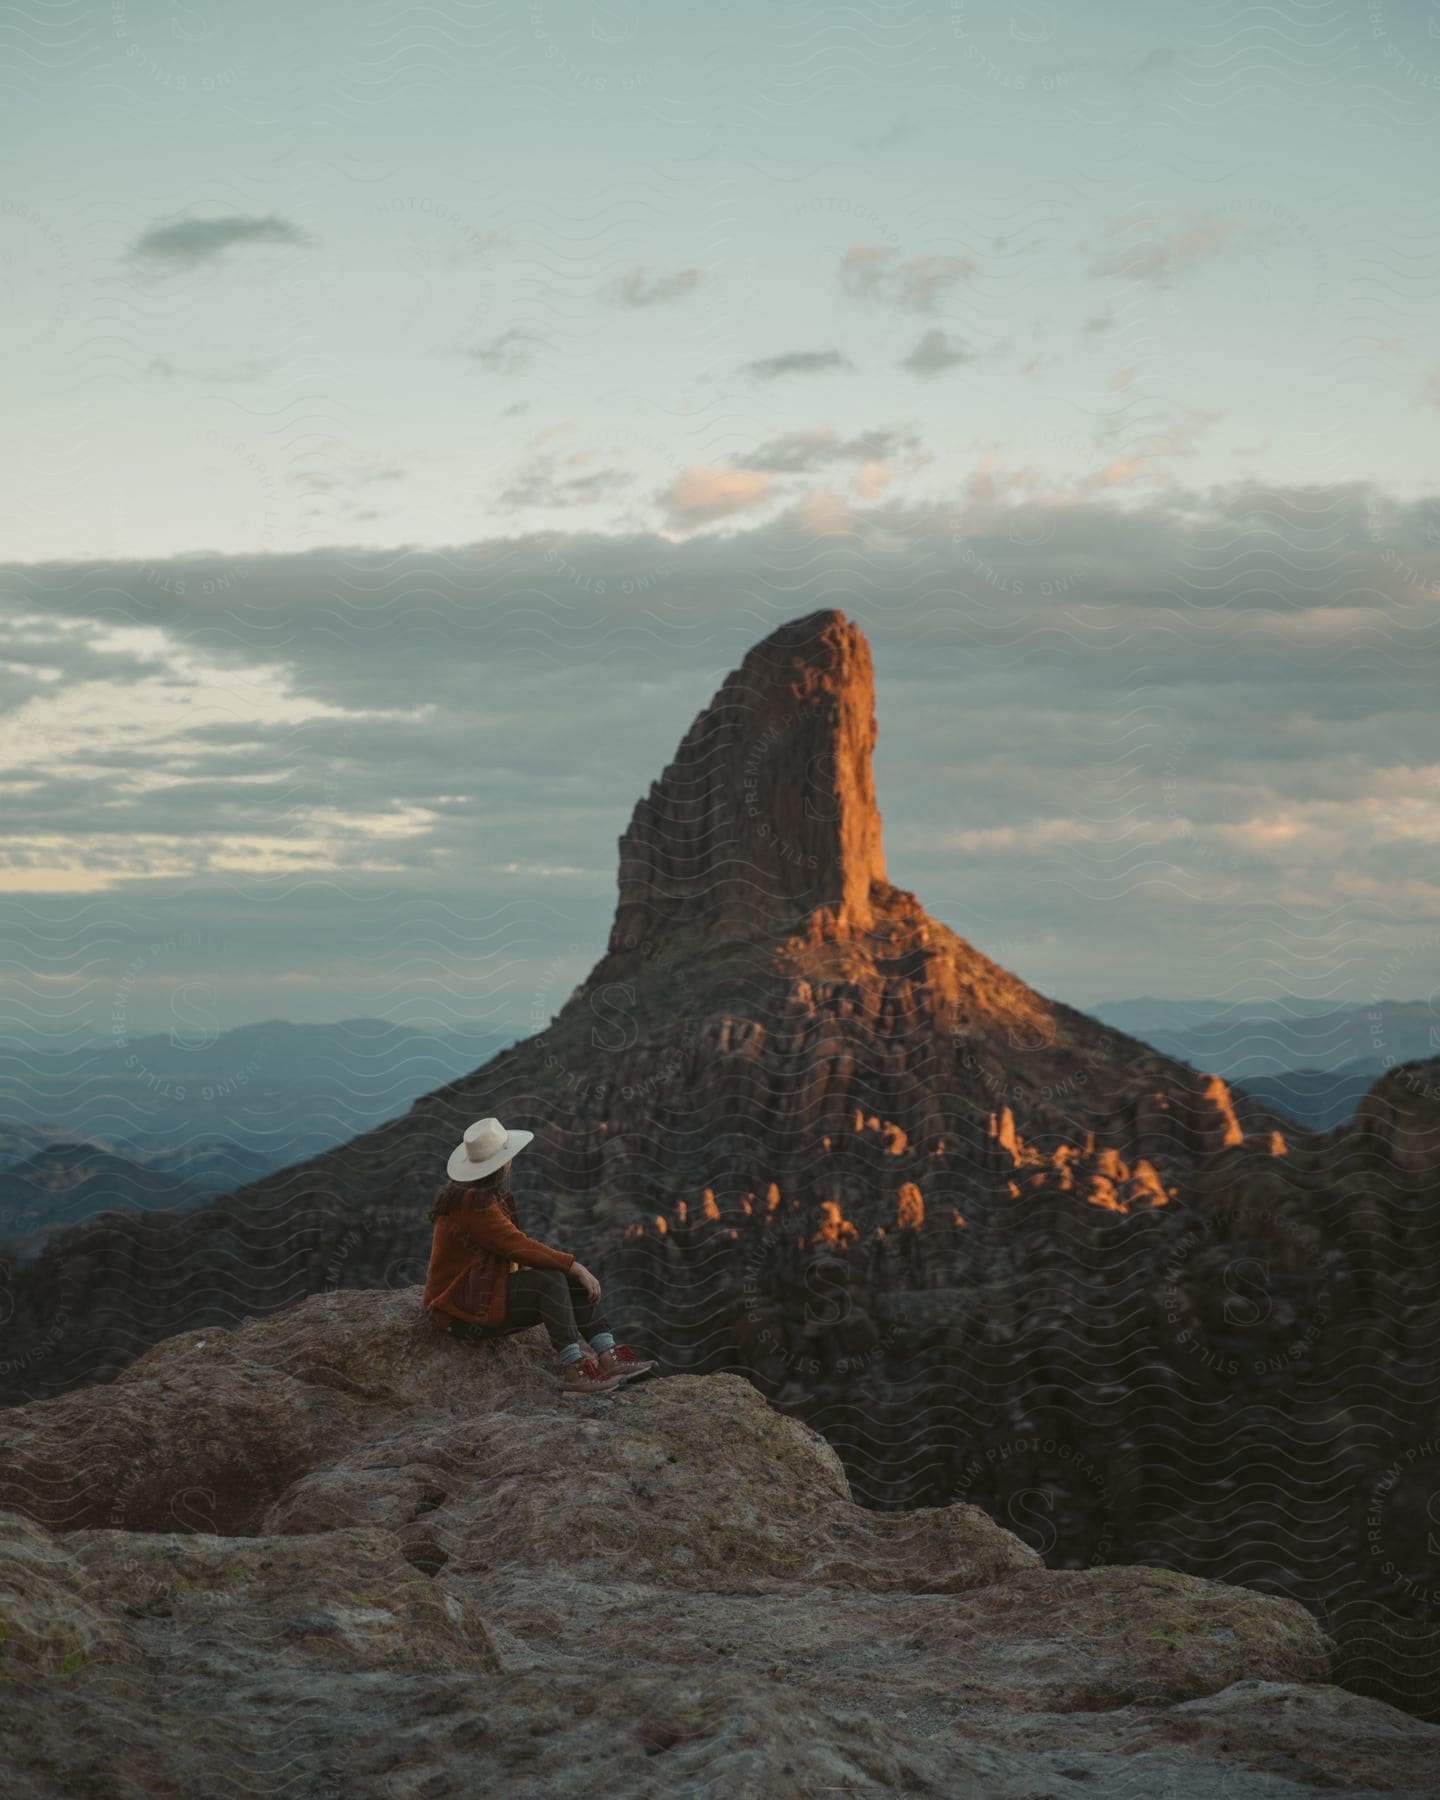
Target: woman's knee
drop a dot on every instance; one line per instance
(548, 1291)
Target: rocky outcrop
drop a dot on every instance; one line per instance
(764, 994)
(991, 1250)
(1400, 1117)
(452, 1581)
(767, 815)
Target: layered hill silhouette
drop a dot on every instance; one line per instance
(992, 1250)
(771, 1016)
(68, 1182)
(221, 1109)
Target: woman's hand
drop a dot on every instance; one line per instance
(586, 1280)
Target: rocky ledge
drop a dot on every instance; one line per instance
(332, 1552)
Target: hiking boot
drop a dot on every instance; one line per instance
(623, 1363)
(586, 1378)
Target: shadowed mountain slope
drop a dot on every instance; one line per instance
(771, 1016)
(993, 1251)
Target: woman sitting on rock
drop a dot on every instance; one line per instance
(487, 1278)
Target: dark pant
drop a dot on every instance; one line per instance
(547, 1297)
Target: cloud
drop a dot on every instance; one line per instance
(1225, 696)
(638, 288)
(190, 243)
(549, 481)
(1148, 457)
(172, 371)
(547, 433)
(1158, 258)
(345, 476)
(797, 452)
(936, 351)
(508, 354)
(558, 477)
(990, 481)
(796, 362)
(704, 493)
(870, 272)
(700, 495)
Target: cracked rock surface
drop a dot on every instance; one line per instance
(332, 1552)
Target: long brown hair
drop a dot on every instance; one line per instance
(450, 1193)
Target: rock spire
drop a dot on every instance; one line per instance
(767, 813)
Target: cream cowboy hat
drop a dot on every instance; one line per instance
(485, 1146)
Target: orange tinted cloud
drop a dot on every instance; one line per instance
(701, 494)
(872, 479)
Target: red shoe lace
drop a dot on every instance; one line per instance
(592, 1370)
(623, 1353)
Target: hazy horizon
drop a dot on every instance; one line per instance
(198, 1015)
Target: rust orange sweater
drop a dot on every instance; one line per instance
(472, 1251)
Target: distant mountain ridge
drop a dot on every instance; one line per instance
(990, 1247)
(1308, 1059)
(214, 1114)
(378, 1052)
(770, 1015)
(1273, 1040)
(1153, 1012)
(67, 1183)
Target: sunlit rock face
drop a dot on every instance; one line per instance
(990, 1249)
(334, 1551)
(767, 814)
(764, 995)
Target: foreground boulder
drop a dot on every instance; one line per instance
(332, 1551)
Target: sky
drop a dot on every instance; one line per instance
(415, 413)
